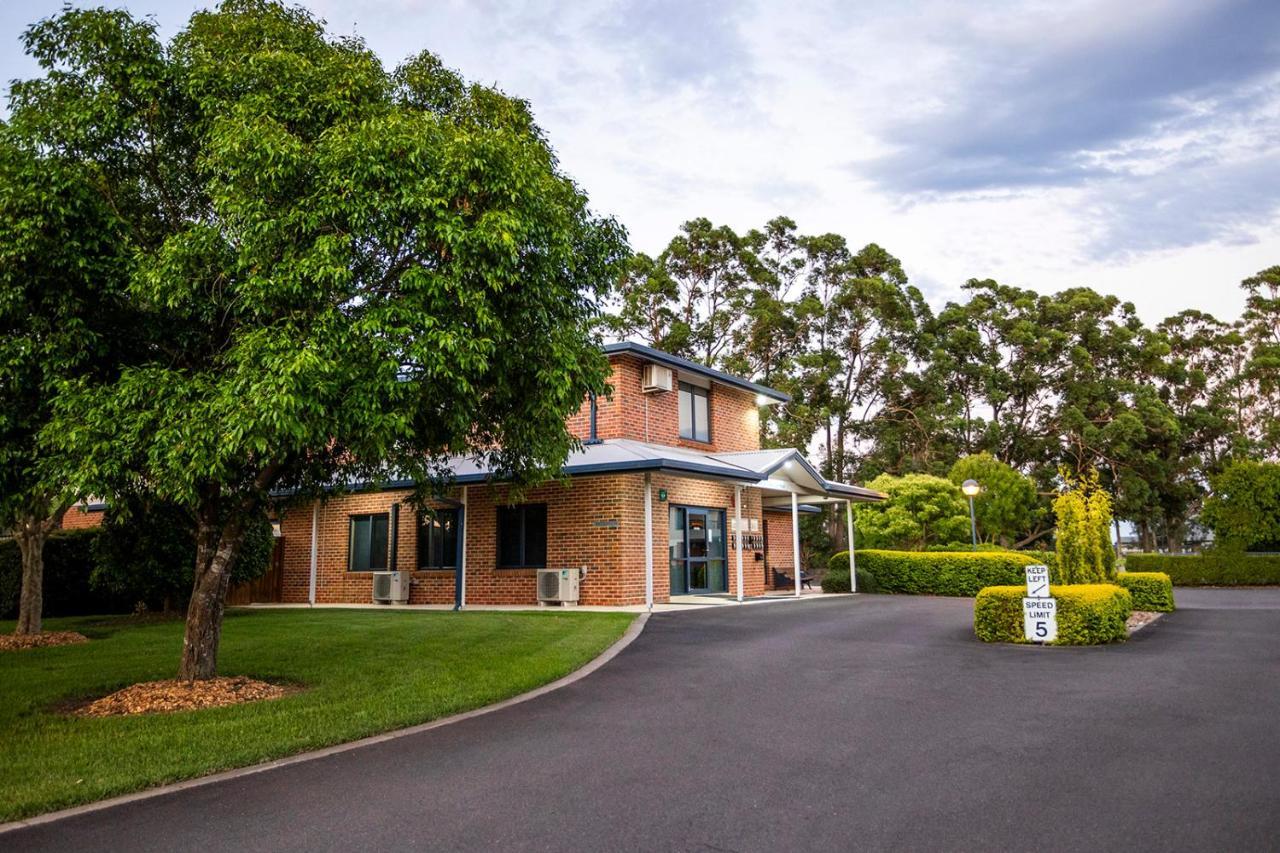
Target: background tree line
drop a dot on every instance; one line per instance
(883, 384)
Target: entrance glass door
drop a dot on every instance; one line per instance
(697, 551)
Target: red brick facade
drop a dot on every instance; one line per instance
(654, 418)
(595, 521)
(80, 517)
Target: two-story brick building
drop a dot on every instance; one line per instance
(670, 494)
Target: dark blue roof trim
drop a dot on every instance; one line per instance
(675, 466)
(669, 360)
(806, 508)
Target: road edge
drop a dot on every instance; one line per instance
(627, 638)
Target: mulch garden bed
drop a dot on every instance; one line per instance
(1140, 619)
(163, 697)
(17, 642)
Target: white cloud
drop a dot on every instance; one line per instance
(1128, 147)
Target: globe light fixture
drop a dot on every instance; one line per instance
(971, 489)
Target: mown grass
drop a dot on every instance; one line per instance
(364, 671)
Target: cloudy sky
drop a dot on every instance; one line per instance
(1131, 147)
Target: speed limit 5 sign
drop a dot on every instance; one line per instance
(1040, 619)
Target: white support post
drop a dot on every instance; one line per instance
(462, 562)
(795, 539)
(737, 533)
(648, 541)
(315, 537)
(853, 561)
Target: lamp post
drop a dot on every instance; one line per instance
(971, 489)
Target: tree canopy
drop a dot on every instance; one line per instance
(883, 383)
(346, 271)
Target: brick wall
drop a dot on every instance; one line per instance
(594, 521)
(77, 518)
(781, 552)
(655, 417)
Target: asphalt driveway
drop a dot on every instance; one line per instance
(876, 722)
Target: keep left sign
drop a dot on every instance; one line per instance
(1037, 581)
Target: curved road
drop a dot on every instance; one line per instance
(876, 722)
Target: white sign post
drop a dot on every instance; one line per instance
(1039, 611)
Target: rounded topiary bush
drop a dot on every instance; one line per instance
(1088, 614)
(1150, 590)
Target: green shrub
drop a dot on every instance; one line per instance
(1212, 568)
(1083, 510)
(1150, 590)
(68, 563)
(921, 510)
(1046, 558)
(1088, 614)
(1243, 507)
(960, 573)
(149, 555)
(837, 579)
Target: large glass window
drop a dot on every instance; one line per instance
(695, 420)
(438, 539)
(522, 536)
(367, 548)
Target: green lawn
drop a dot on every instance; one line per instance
(365, 672)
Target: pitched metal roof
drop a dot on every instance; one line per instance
(623, 455)
(679, 363)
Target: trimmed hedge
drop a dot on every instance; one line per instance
(1213, 568)
(68, 562)
(1150, 590)
(957, 573)
(838, 581)
(1088, 614)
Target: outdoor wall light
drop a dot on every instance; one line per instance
(762, 400)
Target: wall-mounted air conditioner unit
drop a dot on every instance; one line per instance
(559, 586)
(391, 587)
(656, 378)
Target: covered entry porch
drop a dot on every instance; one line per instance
(705, 562)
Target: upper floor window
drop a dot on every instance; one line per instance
(438, 539)
(367, 547)
(695, 420)
(522, 536)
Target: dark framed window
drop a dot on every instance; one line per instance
(438, 539)
(695, 413)
(367, 548)
(522, 536)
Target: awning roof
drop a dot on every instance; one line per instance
(779, 472)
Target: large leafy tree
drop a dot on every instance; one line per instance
(353, 271)
(1008, 510)
(61, 271)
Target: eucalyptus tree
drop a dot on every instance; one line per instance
(351, 271)
(1261, 326)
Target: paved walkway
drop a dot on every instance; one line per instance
(871, 722)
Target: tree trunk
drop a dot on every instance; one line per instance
(31, 603)
(217, 546)
(31, 531)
